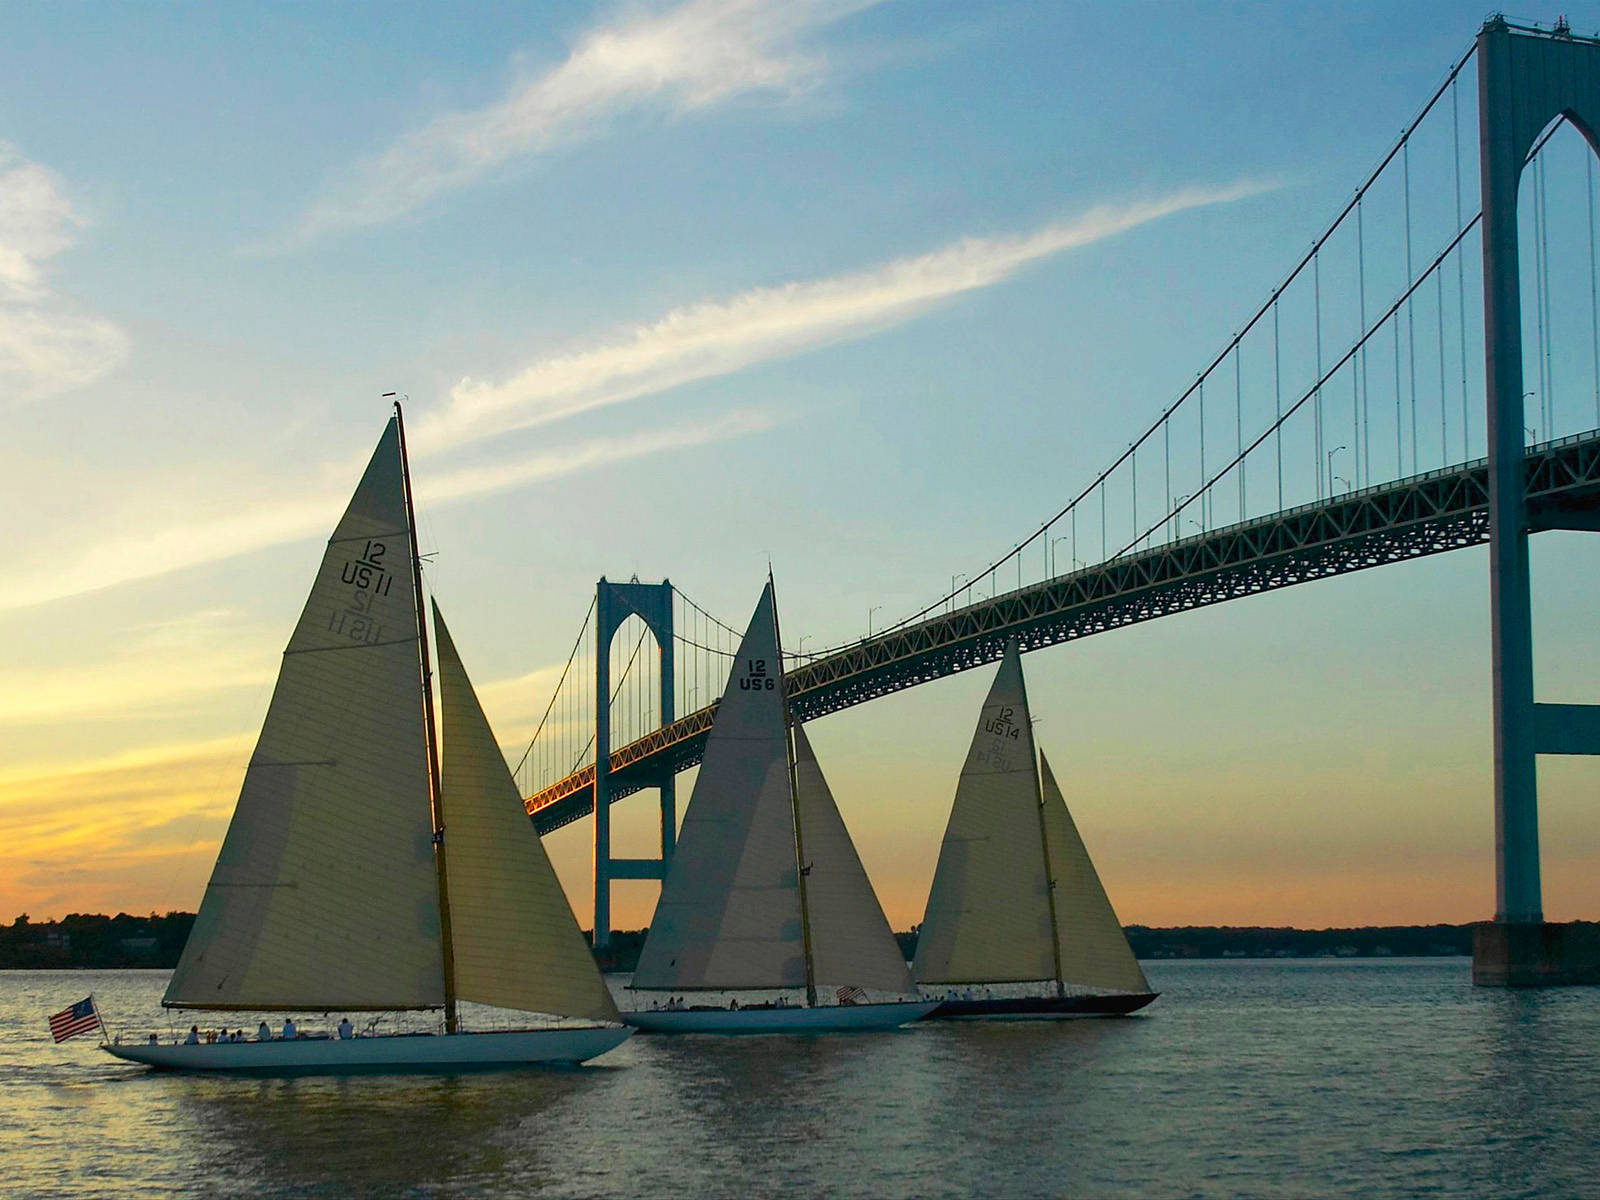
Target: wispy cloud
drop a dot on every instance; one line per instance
(177, 546)
(688, 57)
(718, 337)
(45, 347)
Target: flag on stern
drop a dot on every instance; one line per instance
(74, 1019)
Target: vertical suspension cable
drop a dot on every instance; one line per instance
(1594, 299)
(1238, 420)
(1166, 455)
(1540, 268)
(1277, 400)
(1363, 433)
(1133, 464)
(1204, 491)
(1461, 281)
(1399, 403)
(1549, 324)
(1316, 407)
(1411, 309)
(1444, 408)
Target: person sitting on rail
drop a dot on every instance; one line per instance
(289, 1031)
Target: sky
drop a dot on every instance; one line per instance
(863, 290)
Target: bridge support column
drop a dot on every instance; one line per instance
(614, 604)
(1524, 82)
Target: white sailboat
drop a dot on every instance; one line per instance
(1018, 923)
(331, 892)
(766, 892)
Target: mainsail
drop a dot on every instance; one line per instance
(988, 915)
(516, 942)
(324, 895)
(729, 912)
(1094, 949)
(851, 942)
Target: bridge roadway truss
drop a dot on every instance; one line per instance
(1395, 522)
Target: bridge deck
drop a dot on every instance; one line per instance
(1411, 518)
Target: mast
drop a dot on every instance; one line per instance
(1044, 848)
(794, 806)
(430, 737)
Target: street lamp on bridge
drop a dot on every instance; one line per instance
(1331, 476)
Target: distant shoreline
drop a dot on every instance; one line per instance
(92, 941)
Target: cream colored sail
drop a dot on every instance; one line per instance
(1094, 949)
(324, 895)
(515, 940)
(851, 942)
(988, 915)
(729, 912)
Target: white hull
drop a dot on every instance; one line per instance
(391, 1053)
(823, 1019)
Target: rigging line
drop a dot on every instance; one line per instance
(1344, 358)
(1594, 299)
(1222, 355)
(1411, 313)
(575, 647)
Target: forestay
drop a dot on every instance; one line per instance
(1094, 949)
(851, 942)
(729, 912)
(988, 915)
(516, 942)
(324, 895)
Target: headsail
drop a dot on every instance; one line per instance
(516, 942)
(324, 894)
(988, 915)
(729, 912)
(851, 942)
(1094, 949)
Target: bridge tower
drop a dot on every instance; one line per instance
(614, 604)
(1526, 80)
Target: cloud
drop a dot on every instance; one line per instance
(45, 347)
(687, 58)
(718, 337)
(177, 546)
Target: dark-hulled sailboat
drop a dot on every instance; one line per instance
(1018, 923)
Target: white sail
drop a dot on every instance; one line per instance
(851, 942)
(514, 938)
(729, 912)
(988, 915)
(324, 895)
(1094, 949)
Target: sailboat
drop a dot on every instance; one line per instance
(331, 892)
(1018, 923)
(766, 892)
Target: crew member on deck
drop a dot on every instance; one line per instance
(346, 1030)
(289, 1031)
(263, 1034)
(194, 1036)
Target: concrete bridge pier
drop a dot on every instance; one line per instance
(1526, 80)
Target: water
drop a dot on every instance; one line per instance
(1333, 1077)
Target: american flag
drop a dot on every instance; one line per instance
(74, 1019)
(851, 995)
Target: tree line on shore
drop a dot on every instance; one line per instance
(95, 940)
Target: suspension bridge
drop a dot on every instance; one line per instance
(1371, 410)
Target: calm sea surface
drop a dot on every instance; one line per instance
(1315, 1078)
